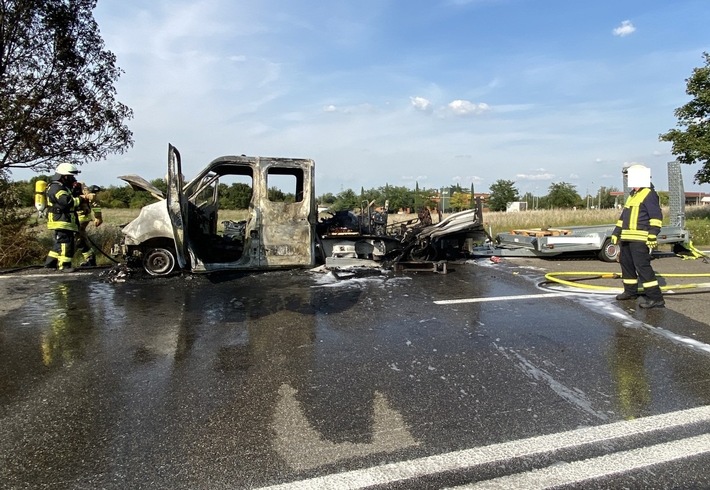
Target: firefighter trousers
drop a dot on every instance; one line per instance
(636, 270)
(63, 249)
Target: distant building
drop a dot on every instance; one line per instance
(515, 206)
(691, 198)
(696, 198)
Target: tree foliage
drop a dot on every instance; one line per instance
(563, 195)
(460, 201)
(502, 192)
(57, 99)
(692, 144)
(605, 199)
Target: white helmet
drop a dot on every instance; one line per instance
(638, 176)
(66, 168)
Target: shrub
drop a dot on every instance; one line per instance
(18, 242)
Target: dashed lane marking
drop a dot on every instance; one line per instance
(535, 446)
(501, 298)
(602, 466)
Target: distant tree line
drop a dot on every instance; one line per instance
(449, 199)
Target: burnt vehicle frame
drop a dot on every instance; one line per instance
(180, 231)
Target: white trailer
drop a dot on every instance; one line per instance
(548, 242)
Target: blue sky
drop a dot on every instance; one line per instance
(437, 92)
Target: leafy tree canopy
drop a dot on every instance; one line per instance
(461, 201)
(57, 99)
(692, 144)
(563, 195)
(502, 192)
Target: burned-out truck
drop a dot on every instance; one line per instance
(182, 229)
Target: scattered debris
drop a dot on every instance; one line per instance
(117, 273)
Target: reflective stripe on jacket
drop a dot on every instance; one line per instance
(62, 207)
(641, 218)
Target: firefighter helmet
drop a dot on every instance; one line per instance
(66, 168)
(638, 176)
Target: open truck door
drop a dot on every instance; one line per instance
(286, 229)
(177, 205)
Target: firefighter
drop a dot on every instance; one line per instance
(636, 232)
(87, 208)
(62, 217)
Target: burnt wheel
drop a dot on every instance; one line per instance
(159, 261)
(609, 251)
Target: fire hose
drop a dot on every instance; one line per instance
(576, 280)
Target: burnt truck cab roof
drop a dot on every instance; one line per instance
(182, 229)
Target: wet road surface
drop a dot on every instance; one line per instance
(477, 378)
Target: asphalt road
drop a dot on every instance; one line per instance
(480, 378)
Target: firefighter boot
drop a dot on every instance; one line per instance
(50, 263)
(89, 262)
(626, 295)
(653, 303)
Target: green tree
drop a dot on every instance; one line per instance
(370, 195)
(235, 196)
(326, 199)
(692, 144)
(346, 200)
(502, 192)
(57, 98)
(563, 195)
(605, 199)
(160, 184)
(460, 201)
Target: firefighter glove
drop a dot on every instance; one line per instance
(97, 222)
(89, 197)
(614, 239)
(652, 242)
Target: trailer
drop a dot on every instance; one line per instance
(550, 242)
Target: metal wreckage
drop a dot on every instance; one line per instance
(181, 230)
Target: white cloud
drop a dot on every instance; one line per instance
(330, 108)
(626, 28)
(544, 176)
(465, 107)
(421, 104)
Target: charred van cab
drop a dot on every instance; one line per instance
(181, 229)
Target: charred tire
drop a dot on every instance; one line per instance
(159, 261)
(609, 251)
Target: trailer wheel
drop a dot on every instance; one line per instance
(159, 261)
(609, 251)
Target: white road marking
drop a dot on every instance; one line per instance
(45, 275)
(609, 464)
(503, 452)
(501, 298)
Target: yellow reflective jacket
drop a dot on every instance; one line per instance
(641, 218)
(62, 206)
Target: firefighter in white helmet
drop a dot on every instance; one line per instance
(62, 218)
(636, 233)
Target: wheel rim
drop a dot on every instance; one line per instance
(611, 251)
(159, 262)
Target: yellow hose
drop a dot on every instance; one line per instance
(553, 277)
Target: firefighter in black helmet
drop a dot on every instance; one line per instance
(62, 218)
(636, 232)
